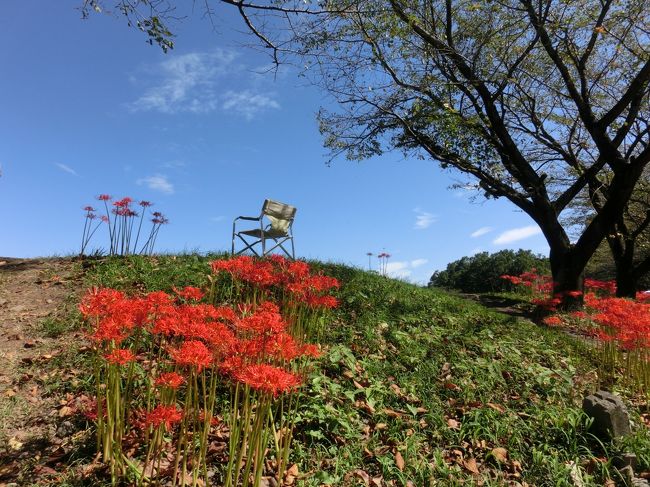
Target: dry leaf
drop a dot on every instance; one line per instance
(497, 407)
(393, 414)
(453, 424)
(14, 444)
(65, 411)
(451, 386)
(500, 454)
(470, 464)
(399, 461)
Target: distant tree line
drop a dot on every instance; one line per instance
(482, 272)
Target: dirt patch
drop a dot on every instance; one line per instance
(36, 297)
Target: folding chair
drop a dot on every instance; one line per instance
(278, 229)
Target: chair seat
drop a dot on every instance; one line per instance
(270, 233)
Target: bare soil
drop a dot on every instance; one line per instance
(36, 296)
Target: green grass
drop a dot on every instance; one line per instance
(440, 380)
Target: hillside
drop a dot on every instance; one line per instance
(414, 386)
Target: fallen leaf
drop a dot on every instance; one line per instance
(14, 444)
(65, 411)
(500, 454)
(399, 461)
(497, 407)
(451, 386)
(453, 424)
(394, 414)
(470, 465)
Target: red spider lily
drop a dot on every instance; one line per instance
(192, 353)
(104, 197)
(605, 287)
(166, 415)
(104, 219)
(642, 296)
(145, 204)
(552, 320)
(310, 350)
(266, 319)
(89, 208)
(120, 356)
(172, 380)
(213, 421)
(100, 302)
(267, 379)
(123, 203)
(245, 268)
(189, 293)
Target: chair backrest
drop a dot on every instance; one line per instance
(280, 215)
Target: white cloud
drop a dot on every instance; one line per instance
(517, 234)
(187, 83)
(418, 262)
(481, 231)
(423, 219)
(247, 103)
(217, 219)
(194, 83)
(403, 269)
(66, 168)
(158, 182)
(398, 269)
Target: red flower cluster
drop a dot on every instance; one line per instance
(267, 378)
(531, 279)
(120, 356)
(283, 275)
(192, 353)
(197, 335)
(167, 415)
(172, 380)
(623, 320)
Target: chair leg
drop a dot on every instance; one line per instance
(248, 246)
(293, 250)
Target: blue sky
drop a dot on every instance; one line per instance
(88, 107)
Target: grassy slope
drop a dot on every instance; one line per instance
(418, 386)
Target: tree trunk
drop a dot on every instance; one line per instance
(568, 279)
(622, 250)
(626, 282)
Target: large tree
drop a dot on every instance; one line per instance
(532, 99)
(629, 240)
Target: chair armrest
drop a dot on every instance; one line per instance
(251, 218)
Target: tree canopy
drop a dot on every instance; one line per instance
(531, 99)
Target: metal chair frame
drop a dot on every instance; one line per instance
(275, 212)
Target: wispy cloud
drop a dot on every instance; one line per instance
(418, 263)
(194, 83)
(398, 269)
(217, 219)
(481, 231)
(423, 219)
(157, 182)
(247, 103)
(517, 234)
(186, 83)
(404, 269)
(66, 168)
